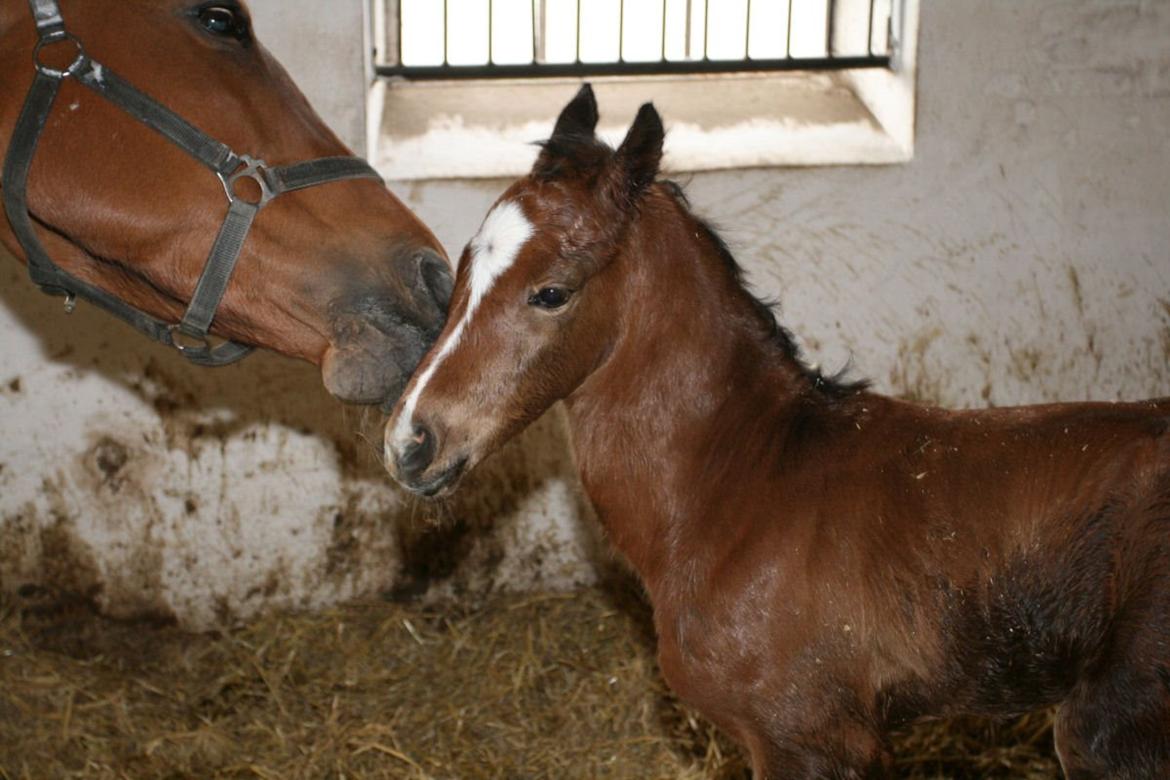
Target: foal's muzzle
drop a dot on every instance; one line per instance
(417, 456)
(410, 463)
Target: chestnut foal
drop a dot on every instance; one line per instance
(824, 563)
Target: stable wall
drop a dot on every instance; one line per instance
(1022, 256)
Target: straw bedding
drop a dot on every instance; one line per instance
(553, 685)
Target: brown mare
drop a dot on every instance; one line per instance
(341, 275)
(824, 563)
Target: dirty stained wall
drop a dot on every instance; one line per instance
(1023, 256)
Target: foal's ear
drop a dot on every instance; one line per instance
(637, 159)
(579, 117)
(577, 121)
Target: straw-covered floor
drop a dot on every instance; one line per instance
(517, 686)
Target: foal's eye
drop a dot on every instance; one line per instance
(549, 298)
(224, 21)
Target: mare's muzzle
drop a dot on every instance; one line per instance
(378, 337)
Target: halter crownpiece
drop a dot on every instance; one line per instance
(190, 336)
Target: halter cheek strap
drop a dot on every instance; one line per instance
(191, 335)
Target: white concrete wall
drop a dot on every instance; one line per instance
(1024, 255)
(322, 46)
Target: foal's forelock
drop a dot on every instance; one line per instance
(493, 250)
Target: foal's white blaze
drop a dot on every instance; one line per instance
(493, 250)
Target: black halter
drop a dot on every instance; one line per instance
(189, 336)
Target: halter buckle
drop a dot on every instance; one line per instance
(250, 168)
(55, 37)
(187, 343)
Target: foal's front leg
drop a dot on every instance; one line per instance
(841, 751)
(1116, 725)
(808, 766)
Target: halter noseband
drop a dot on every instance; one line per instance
(190, 336)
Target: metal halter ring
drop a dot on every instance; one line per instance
(186, 343)
(253, 169)
(58, 37)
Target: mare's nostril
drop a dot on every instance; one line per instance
(436, 277)
(418, 453)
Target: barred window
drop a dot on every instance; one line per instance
(463, 87)
(454, 39)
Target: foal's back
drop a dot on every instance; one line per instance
(943, 561)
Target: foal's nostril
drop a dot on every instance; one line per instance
(436, 278)
(418, 453)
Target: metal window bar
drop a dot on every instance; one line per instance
(882, 28)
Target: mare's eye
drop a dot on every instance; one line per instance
(224, 21)
(549, 298)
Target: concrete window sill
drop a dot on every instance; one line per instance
(488, 128)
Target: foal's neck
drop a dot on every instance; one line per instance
(696, 373)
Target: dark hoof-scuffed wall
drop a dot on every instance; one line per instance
(151, 488)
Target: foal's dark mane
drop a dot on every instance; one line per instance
(585, 156)
(833, 387)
